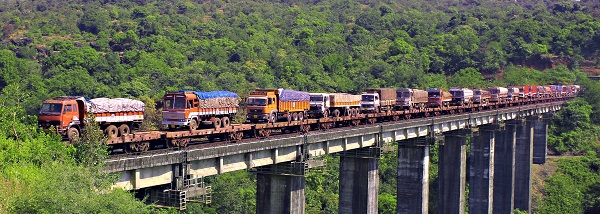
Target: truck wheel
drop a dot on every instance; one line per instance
(295, 116)
(325, 114)
(193, 124)
(73, 134)
(124, 129)
(300, 116)
(336, 113)
(225, 121)
(272, 118)
(112, 131)
(289, 117)
(217, 123)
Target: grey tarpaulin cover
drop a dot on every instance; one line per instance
(293, 96)
(103, 105)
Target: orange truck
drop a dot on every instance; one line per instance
(271, 105)
(194, 108)
(67, 114)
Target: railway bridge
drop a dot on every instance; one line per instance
(504, 143)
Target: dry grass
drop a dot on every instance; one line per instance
(539, 174)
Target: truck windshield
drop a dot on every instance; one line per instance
(406, 94)
(494, 91)
(316, 98)
(51, 109)
(456, 94)
(433, 94)
(257, 101)
(477, 92)
(368, 98)
(177, 103)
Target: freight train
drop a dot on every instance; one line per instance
(207, 115)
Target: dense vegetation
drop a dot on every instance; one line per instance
(142, 48)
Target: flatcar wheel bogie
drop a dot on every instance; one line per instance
(137, 147)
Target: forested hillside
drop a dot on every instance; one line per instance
(143, 48)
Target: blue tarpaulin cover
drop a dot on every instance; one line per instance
(204, 95)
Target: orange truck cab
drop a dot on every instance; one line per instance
(271, 105)
(67, 115)
(193, 108)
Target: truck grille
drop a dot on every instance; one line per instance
(173, 115)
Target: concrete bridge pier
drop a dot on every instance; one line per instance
(523, 161)
(504, 168)
(359, 181)
(452, 172)
(413, 176)
(540, 140)
(481, 170)
(280, 189)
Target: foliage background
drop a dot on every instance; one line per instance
(143, 48)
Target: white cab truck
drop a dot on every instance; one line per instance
(323, 105)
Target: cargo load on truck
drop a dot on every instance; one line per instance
(68, 114)
(407, 98)
(192, 109)
(104, 105)
(216, 99)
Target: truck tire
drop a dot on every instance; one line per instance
(73, 134)
(217, 123)
(300, 116)
(272, 118)
(112, 131)
(193, 124)
(124, 129)
(295, 116)
(336, 113)
(225, 121)
(289, 117)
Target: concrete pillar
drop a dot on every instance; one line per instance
(280, 194)
(481, 170)
(540, 141)
(359, 185)
(452, 173)
(504, 169)
(413, 177)
(523, 161)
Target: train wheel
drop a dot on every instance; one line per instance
(304, 128)
(193, 124)
(112, 131)
(124, 129)
(395, 118)
(236, 136)
(73, 134)
(216, 123)
(406, 116)
(138, 147)
(225, 121)
(355, 122)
